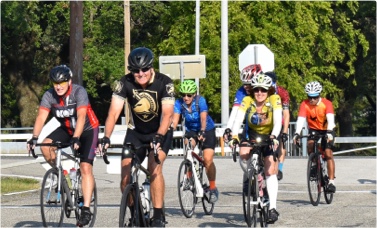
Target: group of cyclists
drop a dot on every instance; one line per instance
(155, 113)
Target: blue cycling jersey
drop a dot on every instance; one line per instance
(192, 119)
(240, 94)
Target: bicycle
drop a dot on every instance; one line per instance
(317, 175)
(193, 182)
(255, 201)
(57, 198)
(136, 204)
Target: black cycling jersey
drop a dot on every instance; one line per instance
(146, 103)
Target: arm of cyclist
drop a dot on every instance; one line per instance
(236, 127)
(175, 120)
(330, 126)
(81, 115)
(38, 125)
(167, 115)
(277, 115)
(230, 123)
(115, 109)
(203, 125)
(286, 117)
(299, 125)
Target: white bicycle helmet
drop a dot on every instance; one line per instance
(313, 89)
(261, 81)
(249, 72)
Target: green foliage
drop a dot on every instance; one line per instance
(332, 42)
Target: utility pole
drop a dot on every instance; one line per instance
(127, 50)
(127, 36)
(76, 41)
(224, 64)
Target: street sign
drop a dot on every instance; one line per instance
(257, 54)
(183, 66)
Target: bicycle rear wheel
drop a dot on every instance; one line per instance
(186, 188)
(207, 206)
(52, 201)
(130, 211)
(79, 201)
(314, 179)
(328, 195)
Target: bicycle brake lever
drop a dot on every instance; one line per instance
(104, 154)
(33, 153)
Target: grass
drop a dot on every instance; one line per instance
(15, 184)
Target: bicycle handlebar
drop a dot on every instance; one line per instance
(57, 144)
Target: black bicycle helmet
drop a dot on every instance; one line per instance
(60, 73)
(140, 58)
(272, 75)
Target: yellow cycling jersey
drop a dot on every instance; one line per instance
(261, 123)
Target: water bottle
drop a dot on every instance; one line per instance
(146, 191)
(72, 175)
(68, 179)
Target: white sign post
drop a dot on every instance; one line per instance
(257, 54)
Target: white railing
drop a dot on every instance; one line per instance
(117, 137)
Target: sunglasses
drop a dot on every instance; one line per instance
(187, 95)
(256, 90)
(313, 98)
(59, 83)
(135, 71)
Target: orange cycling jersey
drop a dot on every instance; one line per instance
(261, 123)
(316, 114)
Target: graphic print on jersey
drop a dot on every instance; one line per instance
(145, 108)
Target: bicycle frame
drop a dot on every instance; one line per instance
(58, 165)
(189, 154)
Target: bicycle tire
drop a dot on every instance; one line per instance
(52, 202)
(248, 198)
(328, 195)
(207, 206)
(314, 179)
(130, 211)
(79, 201)
(186, 188)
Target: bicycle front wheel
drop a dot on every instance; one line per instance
(79, 201)
(207, 206)
(250, 205)
(325, 177)
(130, 211)
(314, 179)
(186, 188)
(52, 200)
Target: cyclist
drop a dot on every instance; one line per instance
(150, 95)
(246, 75)
(262, 112)
(194, 110)
(69, 104)
(283, 136)
(319, 113)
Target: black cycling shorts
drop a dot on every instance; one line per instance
(88, 140)
(252, 135)
(210, 138)
(324, 143)
(138, 139)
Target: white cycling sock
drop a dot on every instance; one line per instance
(332, 182)
(272, 188)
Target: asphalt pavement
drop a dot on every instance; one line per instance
(354, 203)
